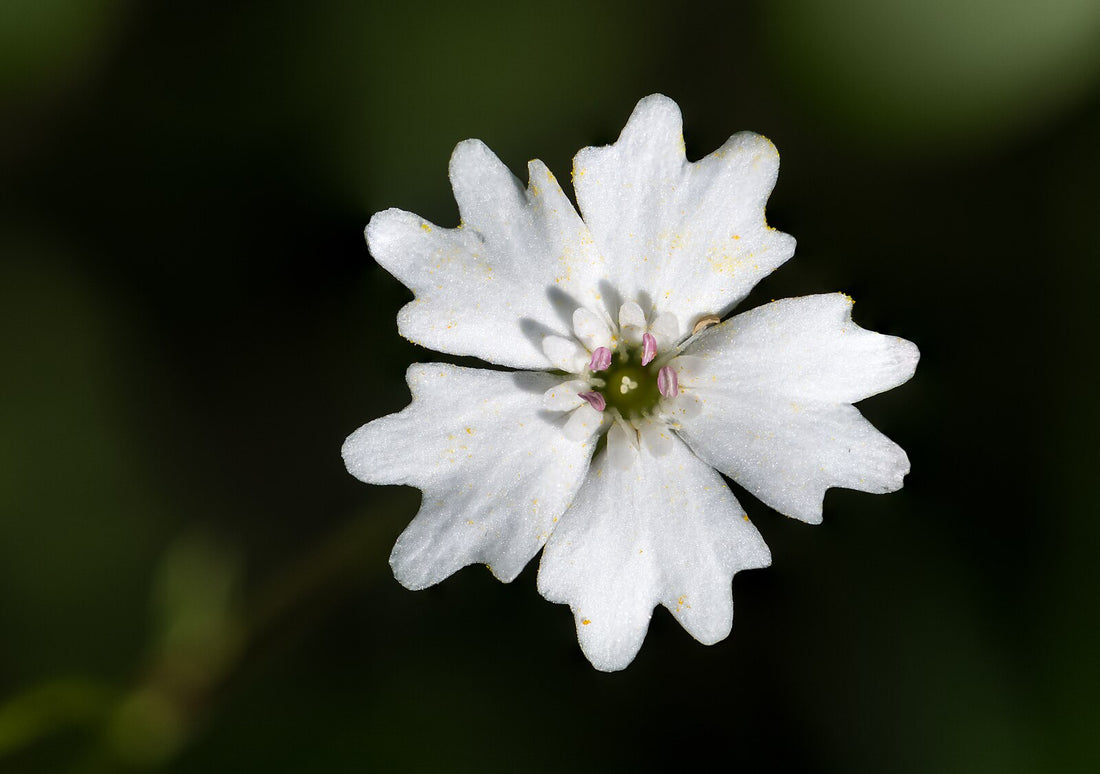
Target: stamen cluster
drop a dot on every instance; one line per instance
(628, 379)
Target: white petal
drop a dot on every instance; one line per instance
(666, 329)
(680, 408)
(656, 436)
(775, 386)
(582, 423)
(632, 325)
(803, 348)
(689, 368)
(512, 273)
(564, 396)
(622, 445)
(496, 470)
(590, 329)
(666, 531)
(690, 237)
(565, 354)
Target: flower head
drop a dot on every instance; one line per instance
(605, 451)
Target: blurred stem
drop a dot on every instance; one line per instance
(153, 721)
(350, 549)
(49, 706)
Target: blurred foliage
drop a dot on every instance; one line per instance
(189, 581)
(942, 75)
(47, 46)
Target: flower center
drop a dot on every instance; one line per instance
(629, 386)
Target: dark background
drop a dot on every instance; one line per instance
(190, 324)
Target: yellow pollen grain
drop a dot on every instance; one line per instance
(586, 621)
(425, 226)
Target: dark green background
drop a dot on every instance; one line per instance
(190, 324)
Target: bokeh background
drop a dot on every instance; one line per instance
(190, 324)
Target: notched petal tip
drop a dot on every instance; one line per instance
(564, 396)
(656, 120)
(352, 453)
(908, 355)
(602, 656)
(404, 573)
(538, 174)
(655, 113)
(473, 170)
(470, 149)
(897, 468)
(389, 228)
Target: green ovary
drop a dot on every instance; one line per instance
(630, 387)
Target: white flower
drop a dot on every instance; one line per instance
(611, 315)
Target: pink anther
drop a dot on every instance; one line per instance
(649, 348)
(595, 400)
(668, 384)
(601, 359)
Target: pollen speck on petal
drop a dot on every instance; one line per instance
(679, 408)
(655, 437)
(583, 423)
(564, 396)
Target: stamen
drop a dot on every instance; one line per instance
(601, 359)
(595, 400)
(668, 384)
(649, 348)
